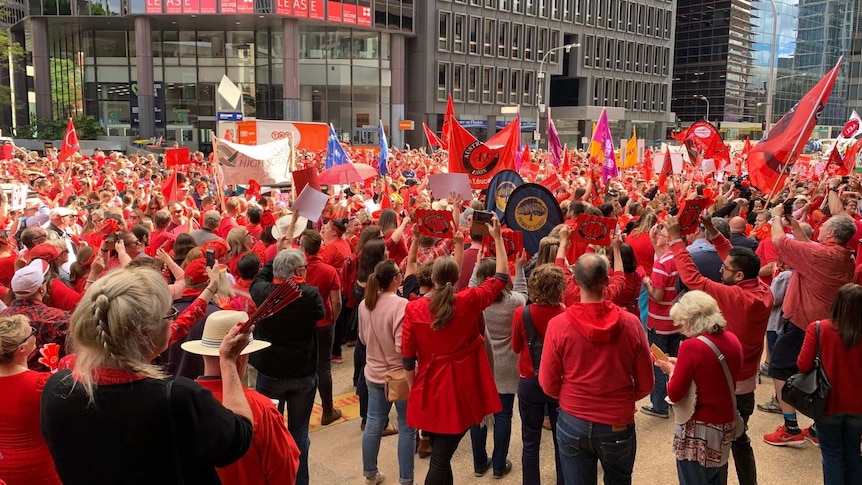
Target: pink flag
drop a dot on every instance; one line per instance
(602, 147)
(554, 145)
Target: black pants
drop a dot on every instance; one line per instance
(743, 454)
(443, 446)
(341, 327)
(324, 366)
(359, 379)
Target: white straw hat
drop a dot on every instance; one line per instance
(218, 324)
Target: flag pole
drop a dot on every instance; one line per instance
(794, 153)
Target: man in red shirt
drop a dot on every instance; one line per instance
(228, 221)
(746, 302)
(273, 456)
(326, 279)
(160, 237)
(661, 290)
(607, 360)
(819, 270)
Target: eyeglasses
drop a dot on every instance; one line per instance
(173, 314)
(726, 267)
(33, 332)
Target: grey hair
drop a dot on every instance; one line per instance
(722, 226)
(843, 228)
(286, 261)
(697, 313)
(212, 219)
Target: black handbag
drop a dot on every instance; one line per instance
(808, 391)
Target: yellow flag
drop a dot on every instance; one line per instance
(631, 158)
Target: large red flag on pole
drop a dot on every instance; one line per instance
(70, 145)
(770, 160)
(433, 139)
(666, 170)
(448, 118)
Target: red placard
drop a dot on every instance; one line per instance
(191, 6)
(208, 6)
(348, 13)
(176, 156)
(363, 16)
(154, 6)
(300, 8)
(435, 223)
(306, 176)
(334, 11)
(228, 6)
(245, 6)
(594, 229)
(173, 6)
(6, 152)
(282, 7)
(551, 183)
(513, 242)
(689, 214)
(315, 9)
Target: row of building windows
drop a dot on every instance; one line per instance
(485, 84)
(618, 15)
(628, 94)
(625, 56)
(488, 37)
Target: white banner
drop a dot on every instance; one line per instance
(267, 164)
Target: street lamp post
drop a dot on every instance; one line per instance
(540, 85)
(703, 98)
(770, 81)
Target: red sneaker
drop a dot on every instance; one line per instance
(782, 438)
(337, 359)
(811, 435)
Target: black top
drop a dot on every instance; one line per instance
(126, 436)
(292, 331)
(178, 362)
(740, 241)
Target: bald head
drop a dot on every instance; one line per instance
(591, 272)
(737, 225)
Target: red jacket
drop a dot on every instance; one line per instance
(745, 306)
(697, 362)
(843, 367)
(454, 386)
(597, 353)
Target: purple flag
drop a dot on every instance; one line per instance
(602, 147)
(554, 145)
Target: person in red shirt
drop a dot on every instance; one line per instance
(328, 283)
(819, 270)
(702, 444)
(545, 289)
(839, 347)
(335, 248)
(228, 220)
(273, 457)
(443, 334)
(607, 360)
(160, 237)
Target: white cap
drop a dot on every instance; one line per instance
(28, 279)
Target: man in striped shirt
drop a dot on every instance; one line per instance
(661, 287)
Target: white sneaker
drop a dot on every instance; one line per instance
(375, 480)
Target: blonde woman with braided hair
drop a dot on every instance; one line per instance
(119, 411)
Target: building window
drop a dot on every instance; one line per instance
(515, 88)
(543, 42)
(597, 91)
(647, 59)
(666, 60)
(529, 40)
(531, 7)
(621, 16)
(488, 37)
(600, 12)
(609, 52)
(529, 88)
(649, 15)
(636, 105)
(502, 79)
(609, 92)
(443, 34)
(588, 51)
(655, 96)
(630, 18)
(475, 27)
(618, 91)
(556, 8)
(630, 55)
(627, 96)
(609, 18)
(663, 97)
(492, 4)
(487, 82)
(646, 96)
(639, 55)
(618, 55)
(659, 22)
(640, 19)
(569, 10)
(555, 42)
(442, 81)
(579, 11)
(517, 6)
(458, 37)
(473, 84)
(589, 9)
(476, 3)
(599, 54)
(517, 34)
(502, 39)
(504, 5)
(543, 9)
(656, 61)
(458, 82)
(667, 25)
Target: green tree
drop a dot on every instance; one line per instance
(7, 49)
(65, 87)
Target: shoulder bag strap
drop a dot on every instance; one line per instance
(374, 332)
(177, 463)
(532, 339)
(723, 362)
(817, 342)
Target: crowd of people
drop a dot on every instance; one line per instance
(126, 288)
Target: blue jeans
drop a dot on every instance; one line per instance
(771, 337)
(378, 413)
(669, 344)
(502, 436)
(693, 473)
(298, 395)
(839, 445)
(532, 402)
(583, 444)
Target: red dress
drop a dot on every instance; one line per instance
(25, 455)
(454, 386)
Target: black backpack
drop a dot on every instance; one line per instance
(535, 344)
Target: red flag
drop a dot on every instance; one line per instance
(649, 166)
(551, 183)
(433, 139)
(481, 161)
(446, 129)
(769, 159)
(176, 156)
(567, 162)
(666, 170)
(849, 162)
(746, 149)
(70, 145)
(169, 187)
(385, 200)
(253, 188)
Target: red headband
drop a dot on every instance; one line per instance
(336, 229)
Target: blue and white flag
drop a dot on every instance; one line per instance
(383, 156)
(335, 154)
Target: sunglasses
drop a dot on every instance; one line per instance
(33, 332)
(173, 314)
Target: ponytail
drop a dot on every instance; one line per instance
(442, 306)
(384, 272)
(372, 291)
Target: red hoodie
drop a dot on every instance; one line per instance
(607, 360)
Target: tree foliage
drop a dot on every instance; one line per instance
(87, 128)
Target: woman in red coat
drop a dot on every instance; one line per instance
(442, 332)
